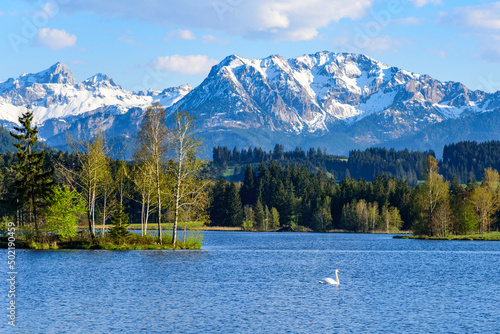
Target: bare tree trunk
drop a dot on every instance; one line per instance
(160, 239)
(89, 214)
(142, 215)
(147, 215)
(178, 190)
(104, 212)
(93, 209)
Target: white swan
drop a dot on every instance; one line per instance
(329, 280)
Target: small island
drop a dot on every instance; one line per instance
(492, 236)
(51, 198)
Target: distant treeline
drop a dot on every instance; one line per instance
(367, 164)
(313, 159)
(464, 160)
(467, 160)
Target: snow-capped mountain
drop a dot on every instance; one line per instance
(57, 98)
(313, 92)
(338, 101)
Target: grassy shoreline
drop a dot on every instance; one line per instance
(491, 236)
(28, 240)
(194, 226)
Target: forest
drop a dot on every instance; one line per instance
(463, 160)
(52, 194)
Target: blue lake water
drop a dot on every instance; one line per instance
(261, 283)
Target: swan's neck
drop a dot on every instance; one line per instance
(337, 276)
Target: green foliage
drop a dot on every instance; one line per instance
(468, 159)
(275, 218)
(191, 240)
(432, 203)
(258, 214)
(249, 191)
(225, 208)
(248, 221)
(119, 232)
(64, 209)
(6, 142)
(367, 164)
(33, 183)
(4, 225)
(27, 233)
(322, 216)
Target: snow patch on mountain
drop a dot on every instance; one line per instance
(55, 94)
(310, 92)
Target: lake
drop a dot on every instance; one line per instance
(243, 282)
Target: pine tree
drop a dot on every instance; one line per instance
(34, 182)
(258, 214)
(119, 231)
(249, 189)
(218, 210)
(234, 210)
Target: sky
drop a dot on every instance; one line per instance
(159, 44)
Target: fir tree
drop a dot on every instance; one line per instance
(234, 210)
(249, 189)
(258, 213)
(33, 182)
(119, 231)
(225, 209)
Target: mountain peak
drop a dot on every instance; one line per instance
(100, 79)
(56, 74)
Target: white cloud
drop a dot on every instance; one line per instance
(409, 21)
(421, 3)
(262, 19)
(211, 39)
(192, 64)
(127, 39)
(182, 34)
(55, 39)
(482, 24)
(482, 16)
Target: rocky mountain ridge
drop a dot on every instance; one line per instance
(338, 101)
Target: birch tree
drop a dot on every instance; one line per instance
(108, 202)
(143, 179)
(432, 195)
(485, 199)
(93, 162)
(152, 148)
(188, 191)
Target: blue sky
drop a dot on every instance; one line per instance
(159, 44)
